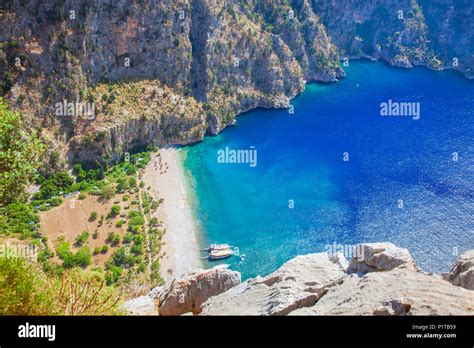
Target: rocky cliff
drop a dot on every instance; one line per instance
(167, 72)
(381, 279)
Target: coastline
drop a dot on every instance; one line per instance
(180, 250)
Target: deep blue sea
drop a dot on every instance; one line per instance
(401, 182)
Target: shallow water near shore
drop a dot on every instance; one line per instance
(400, 183)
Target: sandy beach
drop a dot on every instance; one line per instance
(180, 252)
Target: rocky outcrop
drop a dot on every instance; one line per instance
(373, 257)
(386, 282)
(298, 283)
(215, 58)
(189, 292)
(462, 273)
(396, 292)
(184, 295)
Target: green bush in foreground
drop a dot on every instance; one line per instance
(25, 289)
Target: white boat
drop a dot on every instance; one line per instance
(220, 254)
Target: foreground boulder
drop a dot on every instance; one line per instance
(189, 292)
(300, 282)
(374, 257)
(462, 273)
(397, 292)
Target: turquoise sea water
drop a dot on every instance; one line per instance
(400, 183)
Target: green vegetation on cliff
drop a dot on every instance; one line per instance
(20, 154)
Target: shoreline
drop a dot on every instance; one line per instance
(180, 250)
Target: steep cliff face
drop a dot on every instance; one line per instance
(214, 58)
(404, 33)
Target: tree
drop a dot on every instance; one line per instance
(20, 155)
(121, 184)
(114, 211)
(93, 216)
(107, 192)
(82, 238)
(132, 181)
(83, 257)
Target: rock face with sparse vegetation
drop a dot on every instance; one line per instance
(167, 72)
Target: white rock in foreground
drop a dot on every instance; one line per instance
(462, 273)
(373, 257)
(298, 283)
(189, 292)
(397, 292)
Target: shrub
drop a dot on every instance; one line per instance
(130, 169)
(96, 250)
(107, 192)
(121, 184)
(82, 238)
(137, 249)
(116, 240)
(134, 213)
(121, 258)
(113, 274)
(104, 249)
(82, 196)
(114, 211)
(154, 221)
(136, 221)
(55, 202)
(24, 288)
(113, 238)
(155, 205)
(120, 223)
(110, 237)
(132, 181)
(93, 216)
(83, 257)
(138, 239)
(63, 250)
(127, 238)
